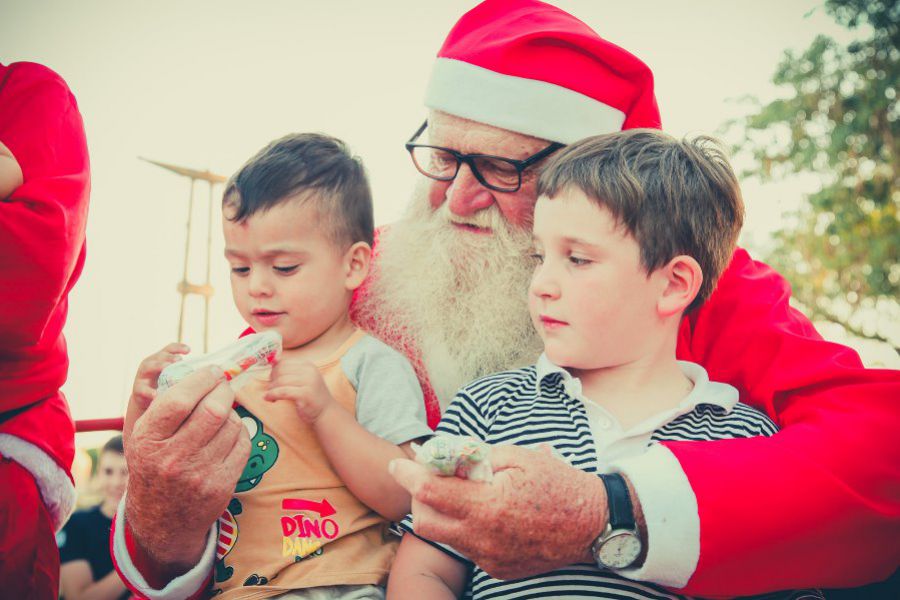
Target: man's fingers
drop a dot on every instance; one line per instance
(221, 444)
(209, 416)
(234, 462)
(145, 394)
(410, 475)
(451, 496)
(170, 409)
(507, 456)
(435, 526)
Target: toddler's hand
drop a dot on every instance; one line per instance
(303, 384)
(144, 389)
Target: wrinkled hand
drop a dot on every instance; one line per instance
(301, 383)
(144, 389)
(172, 445)
(537, 514)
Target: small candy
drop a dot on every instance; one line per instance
(456, 455)
(250, 353)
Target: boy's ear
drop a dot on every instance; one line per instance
(356, 264)
(683, 277)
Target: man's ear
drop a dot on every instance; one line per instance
(683, 277)
(356, 264)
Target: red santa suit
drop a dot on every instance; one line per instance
(816, 505)
(42, 249)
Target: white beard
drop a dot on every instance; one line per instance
(458, 297)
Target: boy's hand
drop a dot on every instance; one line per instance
(144, 389)
(303, 384)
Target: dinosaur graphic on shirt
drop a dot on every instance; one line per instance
(263, 454)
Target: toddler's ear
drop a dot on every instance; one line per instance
(683, 277)
(356, 264)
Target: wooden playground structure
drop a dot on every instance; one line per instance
(185, 287)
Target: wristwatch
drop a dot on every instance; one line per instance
(619, 545)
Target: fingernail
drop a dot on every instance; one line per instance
(392, 465)
(217, 372)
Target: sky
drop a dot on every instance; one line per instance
(205, 84)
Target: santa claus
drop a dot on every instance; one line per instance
(514, 81)
(44, 187)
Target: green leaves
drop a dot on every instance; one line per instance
(840, 119)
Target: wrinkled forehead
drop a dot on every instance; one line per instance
(472, 137)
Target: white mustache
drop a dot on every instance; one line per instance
(486, 218)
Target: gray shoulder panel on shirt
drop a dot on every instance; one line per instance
(389, 400)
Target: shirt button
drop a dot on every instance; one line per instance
(603, 423)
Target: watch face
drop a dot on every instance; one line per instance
(620, 550)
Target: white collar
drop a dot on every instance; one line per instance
(704, 391)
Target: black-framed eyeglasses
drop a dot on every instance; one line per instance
(493, 172)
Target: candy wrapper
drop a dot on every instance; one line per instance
(249, 354)
(455, 455)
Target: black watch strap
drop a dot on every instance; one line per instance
(621, 512)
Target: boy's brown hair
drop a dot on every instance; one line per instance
(306, 167)
(674, 197)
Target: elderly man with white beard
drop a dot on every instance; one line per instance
(453, 275)
(515, 81)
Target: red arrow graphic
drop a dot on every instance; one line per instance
(324, 508)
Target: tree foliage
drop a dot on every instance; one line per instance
(840, 120)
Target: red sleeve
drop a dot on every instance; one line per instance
(144, 564)
(42, 229)
(818, 504)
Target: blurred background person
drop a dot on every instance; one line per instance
(86, 567)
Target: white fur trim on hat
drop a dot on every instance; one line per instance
(53, 482)
(527, 106)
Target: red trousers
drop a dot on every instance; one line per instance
(29, 558)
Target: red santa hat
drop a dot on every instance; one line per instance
(532, 68)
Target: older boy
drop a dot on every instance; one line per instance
(86, 567)
(631, 231)
(310, 511)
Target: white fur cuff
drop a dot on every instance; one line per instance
(53, 481)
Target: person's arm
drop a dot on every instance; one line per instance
(164, 546)
(782, 512)
(77, 583)
(358, 456)
(529, 486)
(10, 172)
(361, 460)
(42, 224)
(422, 571)
(149, 577)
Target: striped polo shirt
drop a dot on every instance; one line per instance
(543, 404)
